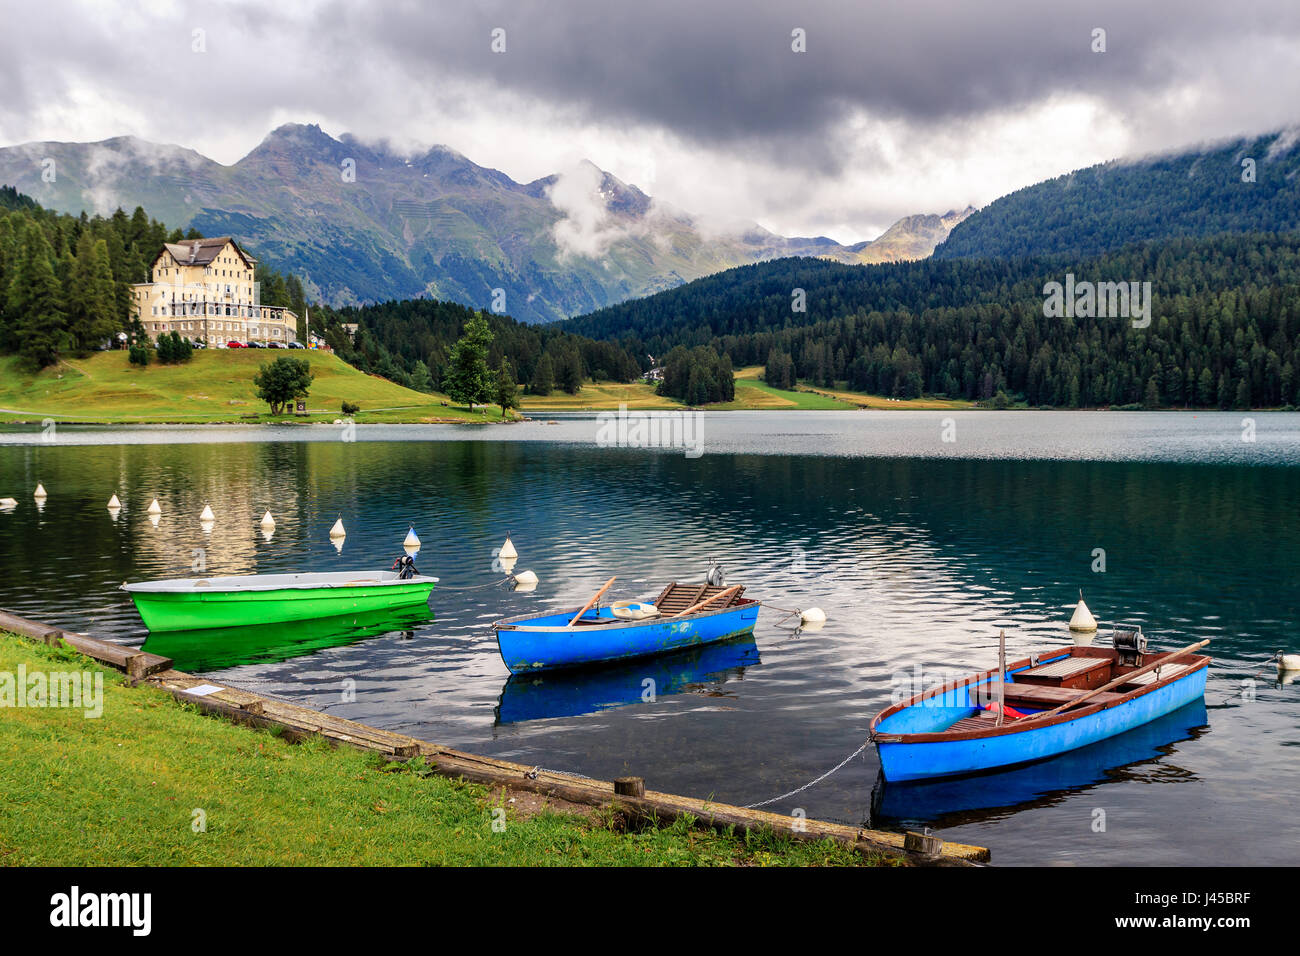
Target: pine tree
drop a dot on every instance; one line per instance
(91, 295)
(507, 392)
(37, 324)
(543, 377)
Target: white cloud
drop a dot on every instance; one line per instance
(91, 71)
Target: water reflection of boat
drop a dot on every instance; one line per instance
(569, 693)
(973, 798)
(217, 648)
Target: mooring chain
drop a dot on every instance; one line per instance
(812, 783)
(532, 774)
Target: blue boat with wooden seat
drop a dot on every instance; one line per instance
(684, 615)
(1036, 708)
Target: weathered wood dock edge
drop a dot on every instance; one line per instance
(298, 723)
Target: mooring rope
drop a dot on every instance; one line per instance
(1259, 673)
(812, 783)
(477, 587)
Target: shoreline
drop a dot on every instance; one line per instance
(540, 416)
(638, 808)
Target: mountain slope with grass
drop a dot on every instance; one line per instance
(214, 386)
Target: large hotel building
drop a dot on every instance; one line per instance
(204, 289)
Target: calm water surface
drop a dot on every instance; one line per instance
(919, 549)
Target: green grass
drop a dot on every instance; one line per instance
(596, 396)
(215, 386)
(122, 790)
(750, 391)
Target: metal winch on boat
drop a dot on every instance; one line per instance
(1130, 645)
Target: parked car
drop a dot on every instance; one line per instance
(199, 344)
(296, 345)
(272, 345)
(255, 345)
(234, 345)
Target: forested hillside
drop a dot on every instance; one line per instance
(410, 342)
(1225, 329)
(1250, 185)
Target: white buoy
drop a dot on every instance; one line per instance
(1082, 620)
(814, 615)
(412, 540)
(40, 491)
(114, 503)
(7, 503)
(337, 531)
(206, 514)
(507, 551)
(525, 581)
(268, 521)
(154, 508)
(1287, 662)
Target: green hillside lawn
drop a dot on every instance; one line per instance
(123, 790)
(594, 396)
(752, 394)
(215, 386)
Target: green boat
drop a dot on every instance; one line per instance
(234, 601)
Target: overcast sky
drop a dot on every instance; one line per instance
(895, 107)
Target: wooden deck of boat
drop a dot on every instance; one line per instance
(678, 597)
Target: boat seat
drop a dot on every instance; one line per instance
(1067, 670)
(1046, 696)
(1160, 673)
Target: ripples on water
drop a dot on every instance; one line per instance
(919, 550)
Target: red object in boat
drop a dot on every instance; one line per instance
(1006, 711)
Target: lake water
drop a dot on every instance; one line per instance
(920, 549)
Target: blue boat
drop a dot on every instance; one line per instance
(952, 801)
(684, 615)
(1051, 703)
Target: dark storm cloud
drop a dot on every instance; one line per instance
(723, 72)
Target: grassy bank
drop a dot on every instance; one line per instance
(216, 385)
(752, 394)
(123, 790)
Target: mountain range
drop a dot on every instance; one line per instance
(361, 223)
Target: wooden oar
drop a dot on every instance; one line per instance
(594, 598)
(1122, 679)
(695, 607)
